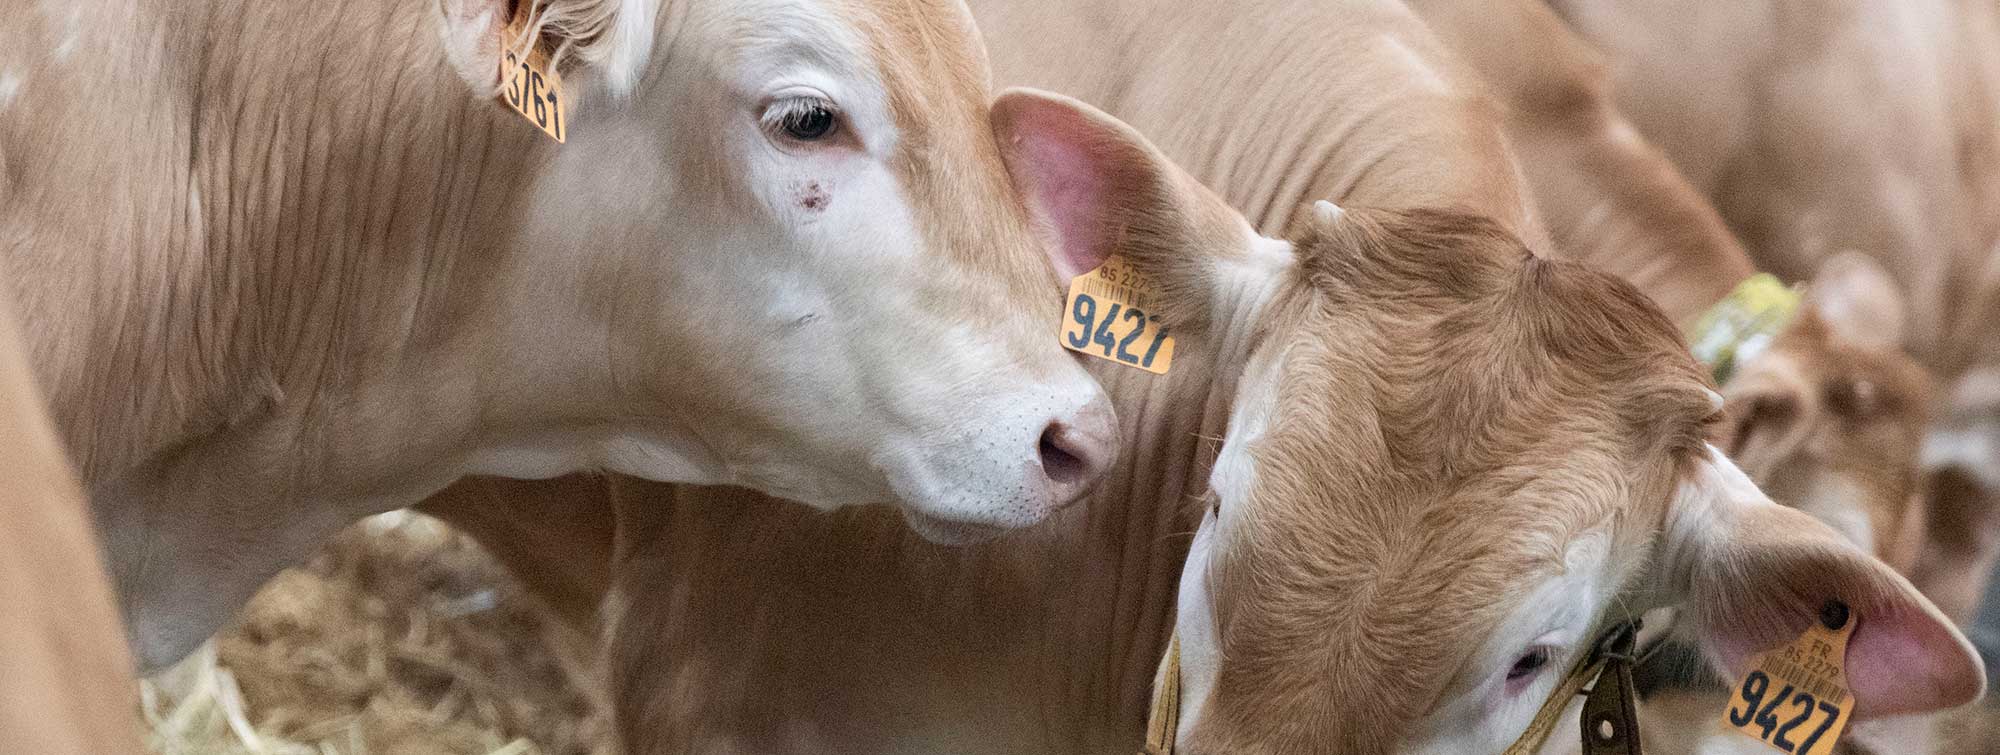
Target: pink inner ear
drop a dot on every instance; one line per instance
(1909, 662)
(1065, 182)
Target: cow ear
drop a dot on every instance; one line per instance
(1753, 575)
(1096, 188)
(612, 38)
(1857, 301)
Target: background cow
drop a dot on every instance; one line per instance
(1852, 126)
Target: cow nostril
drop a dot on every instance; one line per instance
(1060, 460)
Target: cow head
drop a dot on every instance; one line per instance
(1450, 465)
(1830, 418)
(782, 236)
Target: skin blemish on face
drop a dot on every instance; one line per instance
(814, 197)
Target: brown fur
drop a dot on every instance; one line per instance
(1471, 365)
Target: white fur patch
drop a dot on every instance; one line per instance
(1201, 643)
(631, 49)
(10, 86)
(1232, 479)
(1714, 491)
(1556, 614)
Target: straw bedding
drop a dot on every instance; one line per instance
(401, 638)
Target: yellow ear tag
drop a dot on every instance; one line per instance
(1796, 698)
(1111, 315)
(533, 88)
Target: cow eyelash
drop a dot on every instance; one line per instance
(1531, 662)
(802, 118)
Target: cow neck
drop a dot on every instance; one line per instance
(306, 204)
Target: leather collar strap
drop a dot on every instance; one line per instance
(1742, 324)
(1610, 722)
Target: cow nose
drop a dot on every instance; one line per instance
(1076, 451)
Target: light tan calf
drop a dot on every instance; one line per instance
(285, 264)
(65, 677)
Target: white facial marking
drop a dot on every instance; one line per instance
(1232, 479)
(1201, 645)
(1556, 615)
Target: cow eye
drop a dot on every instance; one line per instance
(803, 119)
(1529, 663)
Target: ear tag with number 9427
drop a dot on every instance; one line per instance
(533, 88)
(1110, 314)
(1796, 697)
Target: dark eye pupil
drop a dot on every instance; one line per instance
(1529, 664)
(809, 124)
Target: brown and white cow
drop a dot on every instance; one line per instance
(285, 264)
(1423, 468)
(65, 676)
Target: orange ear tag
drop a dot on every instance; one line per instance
(533, 88)
(1796, 698)
(1110, 315)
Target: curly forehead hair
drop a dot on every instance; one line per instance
(1454, 411)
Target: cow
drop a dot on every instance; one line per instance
(65, 676)
(1852, 127)
(281, 265)
(1423, 467)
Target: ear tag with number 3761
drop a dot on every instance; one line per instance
(1796, 697)
(1110, 315)
(533, 88)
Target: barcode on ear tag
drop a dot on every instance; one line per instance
(1796, 697)
(533, 88)
(1110, 314)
